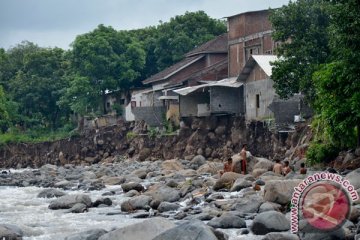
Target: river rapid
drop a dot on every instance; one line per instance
(20, 206)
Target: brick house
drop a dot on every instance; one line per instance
(249, 34)
(208, 62)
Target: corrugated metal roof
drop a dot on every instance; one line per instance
(264, 62)
(228, 82)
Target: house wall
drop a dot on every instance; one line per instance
(153, 116)
(226, 100)
(188, 103)
(264, 89)
(249, 33)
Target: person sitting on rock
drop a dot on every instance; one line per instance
(227, 166)
(303, 170)
(277, 167)
(286, 169)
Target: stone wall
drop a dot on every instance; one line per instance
(153, 116)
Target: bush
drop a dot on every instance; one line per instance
(321, 153)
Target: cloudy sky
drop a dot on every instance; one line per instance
(52, 23)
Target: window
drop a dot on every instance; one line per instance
(122, 101)
(133, 104)
(257, 100)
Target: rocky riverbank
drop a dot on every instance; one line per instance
(184, 199)
(216, 138)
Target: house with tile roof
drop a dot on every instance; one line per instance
(205, 63)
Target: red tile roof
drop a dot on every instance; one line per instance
(216, 45)
(168, 72)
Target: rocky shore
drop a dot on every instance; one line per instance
(179, 199)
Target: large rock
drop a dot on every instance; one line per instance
(240, 184)
(144, 154)
(280, 191)
(264, 163)
(132, 186)
(146, 230)
(68, 201)
(166, 206)
(227, 220)
(172, 165)
(226, 180)
(161, 192)
(270, 221)
(210, 167)
(92, 234)
(10, 232)
(78, 208)
(247, 204)
(354, 178)
(193, 230)
(281, 236)
(113, 180)
(197, 161)
(140, 202)
(50, 193)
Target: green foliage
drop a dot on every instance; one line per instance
(301, 26)
(321, 153)
(130, 135)
(110, 61)
(337, 82)
(118, 108)
(35, 136)
(152, 132)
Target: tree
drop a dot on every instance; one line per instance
(37, 85)
(110, 60)
(182, 34)
(167, 43)
(338, 82)
(302, 29)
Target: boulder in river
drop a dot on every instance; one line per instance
(192, 230)
(227, 220)
(50, 193)
(145, 230)
(92, 234)
(10, 232)
(68, 201)
(162, 193)
(270, 221)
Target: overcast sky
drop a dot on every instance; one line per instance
(50, 23)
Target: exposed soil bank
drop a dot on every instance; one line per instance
(215, 138)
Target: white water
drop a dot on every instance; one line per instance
(21, 207)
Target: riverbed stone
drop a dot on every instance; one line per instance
(102, 201)
(280, 191)
(92, 234)
(10, 232)
(162, 193)
(146, 230)
(140, 202)
(68, 201)
(113, 180)
(132, 186)
(197, 161)
(166, 206)
(227, 220)
(240, 184)
(192, 230)
(226, 180)
(270, 221)
(172, 165)
(281, 236)
(50, 193)
(78, 208)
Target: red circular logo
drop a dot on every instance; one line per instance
(325, 206)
